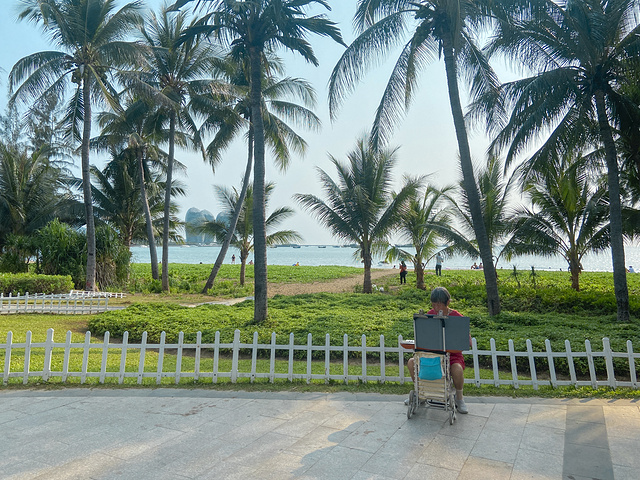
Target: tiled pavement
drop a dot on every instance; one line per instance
(206, 434)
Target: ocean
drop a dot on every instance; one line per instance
(315, 255)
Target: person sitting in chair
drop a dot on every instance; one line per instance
(440, 298)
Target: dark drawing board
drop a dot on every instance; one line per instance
(428, 332)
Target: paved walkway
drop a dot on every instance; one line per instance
(207, 434)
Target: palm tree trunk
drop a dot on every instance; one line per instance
(234, 220)
(615, 211)
(419, 269)
(147, 215)
(167, 204)
(90, 282)
(366, 260)
(469, 181)
(243, 265)
(259, 226)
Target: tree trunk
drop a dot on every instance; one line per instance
(243, 264)
(419, 269)
(259, 226)
(147, 216)
(469, 181)
(167, 204)
(366, 260)
(615, 210)
(90, 282)
(234, 220)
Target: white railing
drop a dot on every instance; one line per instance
(49, 348)
(90, 294)
(52, 303)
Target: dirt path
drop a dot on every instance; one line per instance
(340, 285)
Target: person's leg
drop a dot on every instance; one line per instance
(457, 374)
(410, 366)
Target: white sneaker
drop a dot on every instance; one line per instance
(461, 406)
(406, 401)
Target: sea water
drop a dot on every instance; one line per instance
(315, 255)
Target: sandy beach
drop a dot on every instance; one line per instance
(340, 285)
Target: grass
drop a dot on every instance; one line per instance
(539, 307)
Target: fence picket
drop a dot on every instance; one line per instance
(196, 368)
(514, 367)
(632, 365)
(27, 358)
(216, 354)
(592, 368)
(123, 357)
(291, 345)
(105, 357)
(7, 358)
(254, 356)
(48, 351)
(163, 336)
(272, 359)
(532, 365)
(401, 359)
(552, 367)
(570, 362)
(494, 361)
(67, 357)
(606, 351)
(309, 356)
(179, 359)
(383, 357)
(85, 357)
(235, 355)
(327, 354)
(345, 358)
(363, 353)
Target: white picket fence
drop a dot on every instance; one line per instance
(274, 350)
(53, 303)
(90, 294)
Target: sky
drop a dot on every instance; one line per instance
(425, 137)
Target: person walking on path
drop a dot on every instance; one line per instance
(403, 272)
(439, 260)
(440, 298)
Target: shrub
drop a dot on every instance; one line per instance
(20, 283)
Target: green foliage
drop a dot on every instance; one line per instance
(63, 251)
(20, 283)
(113, 257)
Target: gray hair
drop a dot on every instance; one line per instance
(440, 295)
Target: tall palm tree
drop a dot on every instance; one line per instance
(360, 207)
(569, 214)
(278, 107)
(175, 72)
(128, 129)
(425, 223)
(242, 236)
(254, 28)
(580, 52)
(90, 36)
(434, 28)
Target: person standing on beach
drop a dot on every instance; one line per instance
(439, 260)
(403, 272)
(233, 259)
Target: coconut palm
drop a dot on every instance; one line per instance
(426, 223)
(278, 107)
(90, 36)
(253, 29)
(242, 236)
(129, 129)
(434, 28)
(569, 214)
(360, 207)
(580, 52)
(175, 72)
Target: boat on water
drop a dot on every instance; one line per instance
(295, 246)
(322, 246)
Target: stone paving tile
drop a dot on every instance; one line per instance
(497, 446)
(587, 461)
(447, 452)
(340, 463)
(429, 472)
(543, 439)
(624, 453)
(537, 465)
(483, 469)
(553, 416)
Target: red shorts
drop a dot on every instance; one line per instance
(456, 357)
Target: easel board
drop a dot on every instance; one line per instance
(428, 332)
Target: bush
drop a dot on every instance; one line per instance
(20, 283)
(63, 251)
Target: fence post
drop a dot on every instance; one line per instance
(401, 360)
(291, 350)
(27, 358)
(608, 358)
(163, 336)
(48, 350)
(383, 358)
(345, 358)
(7, 358)
(67, 356)
(196, 367)
(123, 357)
(236, 353)
(272, 359)
(552, 367)
(592, 368)
(179, 358)
(254, 356)
(632, 365)
(85, 356)
(105, 355)
(309, 356)
(327, 354)
(494, 362)
(476, 361)
(514, 367)
(216, 357)
(532, 365)
(572, 367)
(143, 352)
(364, 358)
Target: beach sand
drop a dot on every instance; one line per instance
(340, 285)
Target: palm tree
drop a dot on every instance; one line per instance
(277, 108)
(569, 214)
(175, 73)
(580, 52)
(360, 207)
(129, 129)
(242, 236)
(89, 34)
(435, 28)
(426, 222)
(253, 29)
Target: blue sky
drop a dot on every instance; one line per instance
(425, 137)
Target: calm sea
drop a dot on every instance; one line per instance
(315, 255)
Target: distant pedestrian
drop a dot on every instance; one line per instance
(631, 270)
(439, 261)
(403, 272)
(233, 259)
